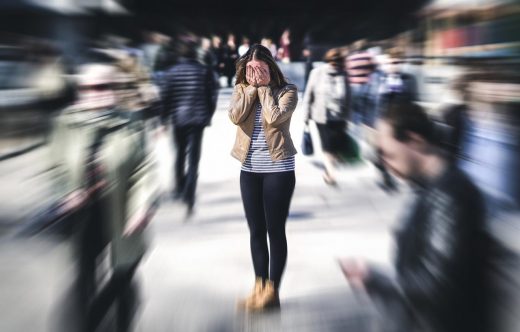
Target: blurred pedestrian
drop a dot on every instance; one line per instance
(268, 43)
(206, 55)
(108, 197)
(218, 50)
(326, 102)
(230, 58)
(385, 84)
(244, 46)
(359, 67)
(189, 97)
(153, 41)
(261, 107)
(438, 282)
(369, 105)
(284, 51)
(166, 57)
(454, 118)
(133, 86)
(397, 84)
(307, 55)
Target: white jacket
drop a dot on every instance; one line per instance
(327, 95)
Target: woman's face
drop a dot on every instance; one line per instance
(258, 63)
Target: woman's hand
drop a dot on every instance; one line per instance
(257, 75)
(263, 76)
(250, 76)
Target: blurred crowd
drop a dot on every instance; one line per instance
(102, 117)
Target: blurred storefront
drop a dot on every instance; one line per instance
(478, 40)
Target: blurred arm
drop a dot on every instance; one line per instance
(211, 90)
(142, 194)
(164, 87)
(308, 97)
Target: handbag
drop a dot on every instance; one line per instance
(307, 147)
(350, 151)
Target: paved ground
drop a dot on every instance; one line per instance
(196, 270)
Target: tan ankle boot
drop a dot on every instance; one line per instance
(251, 299)
(267, 299)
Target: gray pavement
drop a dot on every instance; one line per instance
(197, 269)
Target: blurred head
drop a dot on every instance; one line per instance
(259, 55)
(393, 63)
(406, 138)
(359, 45)
(334, 57)
(245, 40)
(216, 41)
(187, 46)
(95, 83)
(205, 43)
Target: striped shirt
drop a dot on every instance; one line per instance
(258, 157)
(359, 66)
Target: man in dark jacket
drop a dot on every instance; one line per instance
(189, 96)
(441, 243)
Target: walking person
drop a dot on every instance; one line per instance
(360, 66)
(369, 103)
(284, 51)
(189, 97)
(206, 54)
(391, 84)
(325, 102)
(268, 42)
(307, 56)
(261, 107)
(107, 198)
(244, 46)
(151, 47)
(438, 280)
(218, 50)
(230, 57)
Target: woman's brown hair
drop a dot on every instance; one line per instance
(260, 53)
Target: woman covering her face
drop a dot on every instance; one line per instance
(261, 107)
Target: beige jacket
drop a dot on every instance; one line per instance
(278, 104)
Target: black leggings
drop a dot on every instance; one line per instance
(266, 198)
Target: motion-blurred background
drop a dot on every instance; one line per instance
(76, 74)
